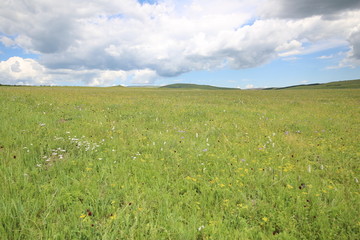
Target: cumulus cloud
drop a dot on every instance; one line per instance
(20, 71)
(128, 41)
(306, 8)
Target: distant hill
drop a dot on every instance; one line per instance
(195, 86)
(348, 84)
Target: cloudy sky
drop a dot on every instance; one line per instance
(234, 43)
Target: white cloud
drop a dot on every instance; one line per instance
(17, 70)
(249, 86)
(107, 41)
(20, 71)
(8, 42)
(326, 57)
(145, 76)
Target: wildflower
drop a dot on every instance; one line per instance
(89, 213)
(226, 202)
(191, 178)
(240, 205)
(201, 227)
(289, 186)
(265, 219)
(82, 215)
(112, 216)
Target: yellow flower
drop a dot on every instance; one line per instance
(83, 216)
(112, 216)
(191, 178)
(240, 205)
(289, 186)
(265, 219)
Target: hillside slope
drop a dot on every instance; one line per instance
(195, 86)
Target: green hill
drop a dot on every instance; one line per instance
(195, 86)
(348, 84)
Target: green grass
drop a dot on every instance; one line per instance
(120, 163)
(350, 84)
(195, 86)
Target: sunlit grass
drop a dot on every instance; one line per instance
(117, 163)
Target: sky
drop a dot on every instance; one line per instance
(228, 43)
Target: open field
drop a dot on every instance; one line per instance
(350, 84)
(120, 163)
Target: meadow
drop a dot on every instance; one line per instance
(120, 163)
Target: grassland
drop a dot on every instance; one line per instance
(118, 163)
(195, 86)
(349, 84)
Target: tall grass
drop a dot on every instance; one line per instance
(117, 163)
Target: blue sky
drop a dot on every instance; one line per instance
(230, 43)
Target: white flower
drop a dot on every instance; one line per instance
(201, 227)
